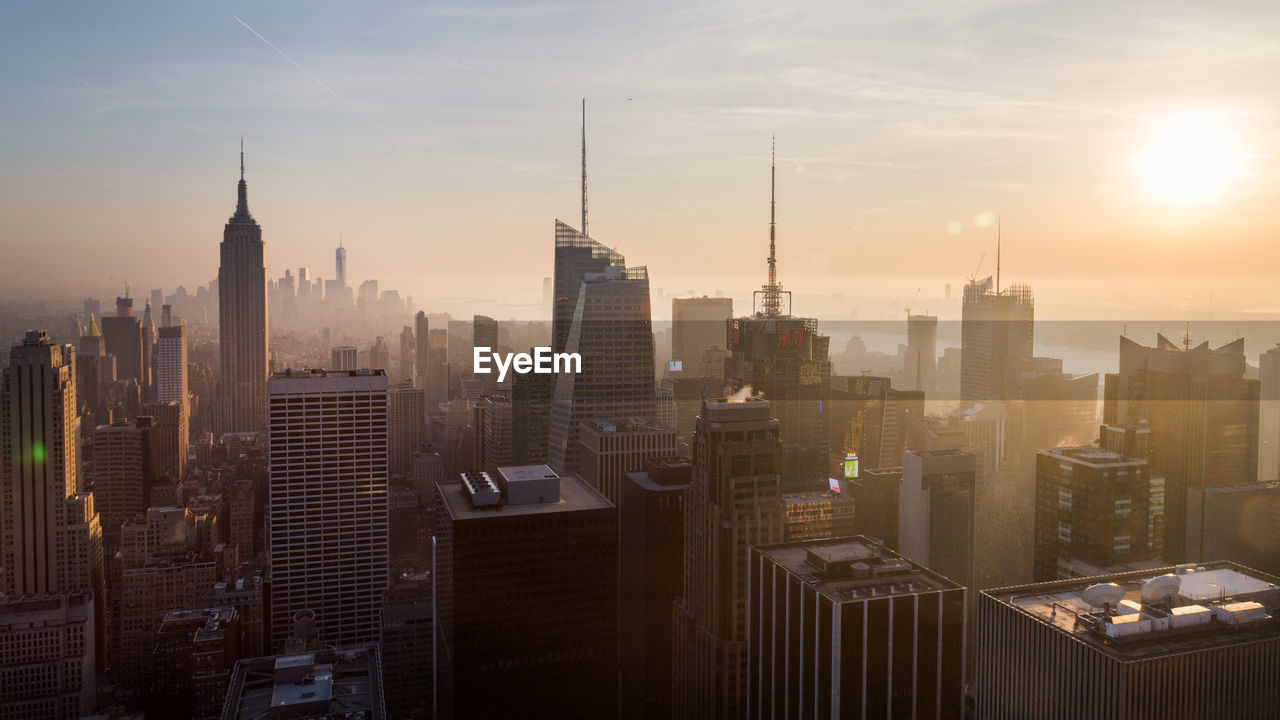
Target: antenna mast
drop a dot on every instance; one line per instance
(768, 299)
(997, 254)
(584, 167)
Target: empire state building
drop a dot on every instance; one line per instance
(242, 320)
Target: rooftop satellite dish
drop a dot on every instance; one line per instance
(1160, 589)
(1103, 595)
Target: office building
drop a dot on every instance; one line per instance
(47, 667)
(871, 419)
(699, 325)
(530, 417)
(406, 355)
(1092, 507)
(242, 320)
(1197, 641)
(875, 493)
(161, 566)
(407, 621)
(1241, 522)
(406, 426)
(613, 334)
(122, 338)
(493, 425)
(335, 682)
(996, 338)
(1203, 417)
(170, 429)
(193, 657)
(921, 368)
(1269, 415)
(936, 512)
(40, 434)
(126, 459)
(651, 562)
(576, 256)
(819, 514)
(327, 502)
(526, 586)
(842, 628)
(379, 354)
(438, 390)
(732, 504)
(612, 448)
(421, 350)
(344, 357)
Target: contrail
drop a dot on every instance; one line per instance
(322, 84)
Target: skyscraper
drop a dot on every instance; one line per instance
(328, 502)
(40, 436)
(698, 326)
(732, 504)
(406, 427)
(842, 628)
(1177, 642)
(922, 352)
(936, 512)
(784, 357)
(611, 448)
(170, 383)
(612, 332)
(1203, 417)
(340, 267)
(526, 586)
(343, 357)
(406, 354)
(242, 320)
(125, 463)
(1269, 415)
(576, 255)
(422, 351)
(996, 338)
(122, 336)
(651, 562)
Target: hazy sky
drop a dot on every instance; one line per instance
(441, 140)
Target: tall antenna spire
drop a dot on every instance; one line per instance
(997, 254)
(584, 167)
(773, 225)
(241, 157)
(768, 299)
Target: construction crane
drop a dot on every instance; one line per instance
(913, 302)
(974, 276)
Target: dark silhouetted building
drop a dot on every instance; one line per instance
(936, 512)
(407, 617)
(651, 562)
(732, 504)
(1203, 417)
(194, 654)
(126, 458)
(842, 628)
(526, 585)
(242, 320)
(47, 664)
(612, 448)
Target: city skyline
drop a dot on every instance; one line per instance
(913, 129)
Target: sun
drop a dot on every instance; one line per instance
(1190, 158)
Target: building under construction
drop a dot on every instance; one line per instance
(784, 358)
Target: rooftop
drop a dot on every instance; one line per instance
(853, 569)
(575, 494)
(1093, 456)
(342, 682)
(1147, 613)
(609, 426)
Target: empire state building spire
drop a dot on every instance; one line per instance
(242, 202)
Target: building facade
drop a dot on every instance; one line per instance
(242, 320)
(327, 507)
